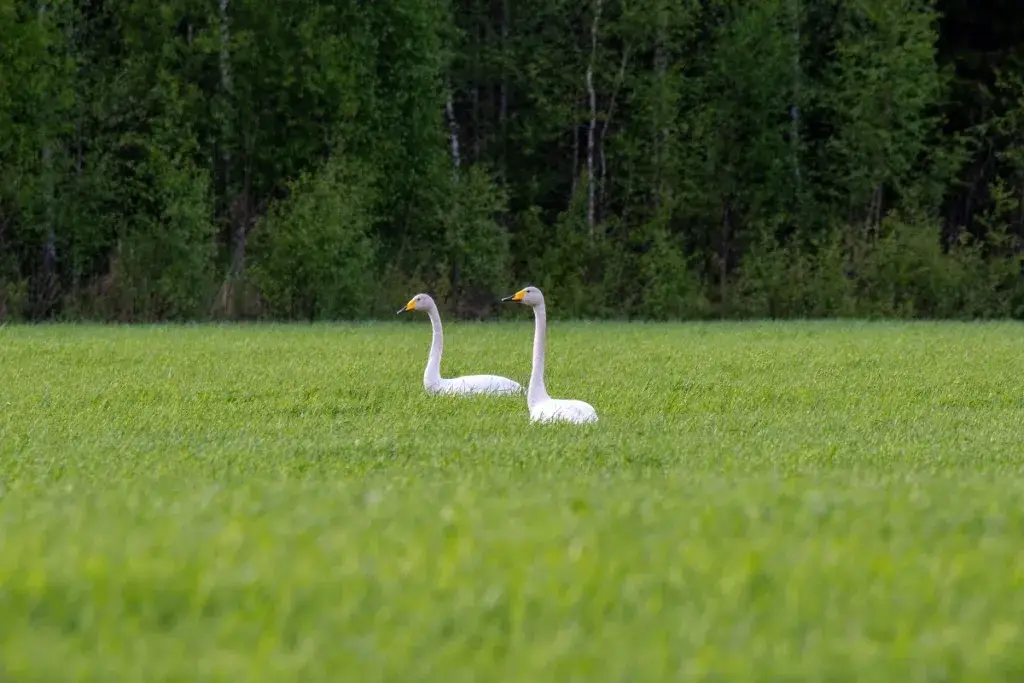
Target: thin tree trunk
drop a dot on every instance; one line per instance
(575, 162)
(604, 125)
(47, 285)
(602, 172)
(874, 214)
(661, 130)
(591, 197)
(48, 290)
(503, 93)
(503, 96)
(879, 199)
(225, 40)
(476, 126)
(240, 215)
(1020, 209)
(79, 153)
(453, 132)
(73, 50)
(239, 237)
(723, 257)
(74, 39)
(794, 110)
(227, 87)
(238, 205)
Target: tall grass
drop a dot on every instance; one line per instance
(759, 502)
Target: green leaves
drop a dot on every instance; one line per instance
(720, 133)
(313, 254)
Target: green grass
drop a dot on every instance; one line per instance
(759, 502)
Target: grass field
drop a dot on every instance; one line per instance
(759, 502)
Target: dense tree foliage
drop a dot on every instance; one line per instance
(193, 159)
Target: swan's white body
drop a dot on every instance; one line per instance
(462, 386)
(542, 407)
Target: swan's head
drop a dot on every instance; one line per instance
(420, 302)
(530, 296)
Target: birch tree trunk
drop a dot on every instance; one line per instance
(723, 256)
(453, 132)
(503, 94)
(592, 92)
(225, 49)
(619, 80)
(477, 127)
(794, 110)
(455, 272)
(503, 89)
(661, 130)
(239, 236)
(575, 163)
(47, 284)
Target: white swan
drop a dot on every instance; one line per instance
(469, 384)
(542, 407)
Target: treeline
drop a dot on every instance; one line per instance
(312, 159)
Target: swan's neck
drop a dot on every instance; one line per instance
(432, 375)
(537, 392)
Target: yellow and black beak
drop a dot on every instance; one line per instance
(411, 306)
(518, 296)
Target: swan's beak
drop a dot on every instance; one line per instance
(518, 296)
(411, 306)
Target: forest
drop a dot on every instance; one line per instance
(176, 160)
